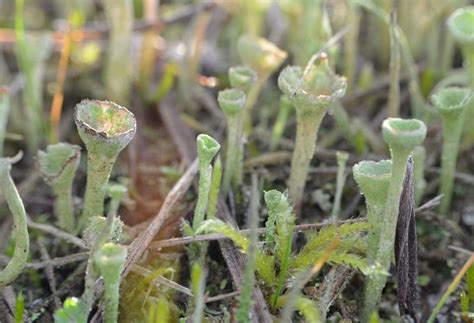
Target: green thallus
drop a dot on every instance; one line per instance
(232, 102)
(452, 104)
(402, 136)
(207, 149)
(58, 165)
(311, 99)
(106, 128)
(110, 259)
(20, 230)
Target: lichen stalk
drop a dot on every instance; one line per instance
(232, 102)
(106, 128)
(452, 104)
(307, 127)
(110, 260)
(17, 209)
(311, 95)
(207, 148)
(58, 165)
(402, 136)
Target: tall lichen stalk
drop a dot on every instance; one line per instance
(106, 128)
(312, 96)
(452, 104)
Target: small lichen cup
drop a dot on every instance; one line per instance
(452, 104)
(207, 149)
(58, 165)
(110, 259)
(312, 96)
(232, 102)
(106, 129)
(242, 78)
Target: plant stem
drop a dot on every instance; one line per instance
(351, 43)
(22, 241)
(111, 296)
(340, 180)
(64, 206)
(99, 168)
(280, 122)
(205, 179)
(234, 130)
(394, 92)
(245, 298)
(215, 189)
(452, 128)
(117, 72)
(306, 135)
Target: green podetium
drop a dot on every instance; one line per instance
(402, 136)
(232, 102)
(373, 179)
(20, 230)
(106, 128)
(58, 165)
(110, 259)
(207, 149)
(461, 26)
(312, 96)
(452, 104)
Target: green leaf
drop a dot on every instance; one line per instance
(217, 226)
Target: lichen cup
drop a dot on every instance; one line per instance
(312, 96)
(106, 129)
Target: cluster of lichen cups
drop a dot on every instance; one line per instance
(381, 183)
(106, 129)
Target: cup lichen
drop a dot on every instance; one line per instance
(312, 96)
(106, 128)
(58, 165)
